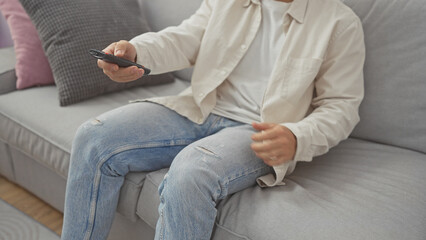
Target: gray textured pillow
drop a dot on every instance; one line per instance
(68, 29)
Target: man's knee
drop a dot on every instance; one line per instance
(193, 170)
(114, 167)
(89, 141)
(88, 131)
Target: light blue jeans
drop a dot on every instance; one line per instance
(207, 162)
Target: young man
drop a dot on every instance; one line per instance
(274, 83)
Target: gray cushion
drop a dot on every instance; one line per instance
(394, 108)
(7, 70)
(147, 208)
(29, 122)
(164, 13)
(7, 81)
(360, 190)
(29, 119)
(129, 194)
(172, 14)
(6, 164)
(68, 29)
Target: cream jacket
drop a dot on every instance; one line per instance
(316, 85)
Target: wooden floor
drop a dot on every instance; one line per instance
(31, 205)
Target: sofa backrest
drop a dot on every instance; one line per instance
(164, 13)
(394, 108)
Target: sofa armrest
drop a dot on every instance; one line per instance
(7, 70)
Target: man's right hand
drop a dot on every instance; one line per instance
(126, 50)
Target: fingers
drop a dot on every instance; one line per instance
(110, 49)
(274, 144)
(262, 126)
(272, 152)
(267, 131)
(272, 160)
(106, 66)
(126, 50)
(124, 74)
(267, 145)
(122, 49)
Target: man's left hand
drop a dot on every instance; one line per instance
(274, 143)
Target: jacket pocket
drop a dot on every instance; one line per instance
(298, 76)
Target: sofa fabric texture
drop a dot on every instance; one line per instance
(7, 70)
(394, 72)
(32, 67)
(49, 138)
(370, 186)
(68, 29)
(349, 193)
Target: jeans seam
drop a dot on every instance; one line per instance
(150, 144)
(245, 173)
(98, 174)
(209, 130)
(225, 186)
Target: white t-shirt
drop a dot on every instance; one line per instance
(240, 96)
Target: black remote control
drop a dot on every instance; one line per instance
(121, 62)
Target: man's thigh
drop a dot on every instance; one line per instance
(140, 136)
(228, 154)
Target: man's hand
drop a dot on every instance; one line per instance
(126, 50)
(274, 143)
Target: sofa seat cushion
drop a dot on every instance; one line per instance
(359, 190)
(32, 121)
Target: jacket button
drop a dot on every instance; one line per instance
(243, 47)
(223, 73)
(201, 94)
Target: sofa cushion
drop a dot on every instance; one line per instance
(172, 13)
(68, 29)
(164, 13)
(32, 67)
(6, 165)
(29, 119)
(7, 70)
(360, 190)
(149, 199)
(129, 194)
(29, 122)
(394, 107)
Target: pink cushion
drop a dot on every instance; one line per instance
(32, 67)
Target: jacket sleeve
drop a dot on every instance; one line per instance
(176, 47)
(339, 89)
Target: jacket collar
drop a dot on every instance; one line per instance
(297, 9)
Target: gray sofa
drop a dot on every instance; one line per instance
(371, 186)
